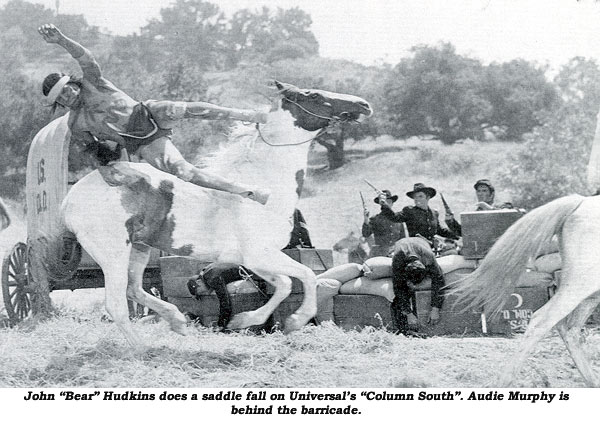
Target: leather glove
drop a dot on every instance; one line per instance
(434, 316)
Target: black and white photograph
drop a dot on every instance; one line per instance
(299, 207)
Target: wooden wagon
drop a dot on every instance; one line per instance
(23, 268)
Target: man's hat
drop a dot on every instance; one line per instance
(388, 195)
(484, 182)
(420, 187)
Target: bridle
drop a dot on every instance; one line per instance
(332, 121)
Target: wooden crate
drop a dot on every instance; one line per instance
(524, 301)
(481, 229)
(358, 311)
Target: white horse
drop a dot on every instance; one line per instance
(119, 211)
(575, 219)
(4, 216)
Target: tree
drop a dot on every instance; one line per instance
(27, 17)
(22, 116)
(284, 34)
(552, 161)
(517, 91)
(192, 31)
(438, 92)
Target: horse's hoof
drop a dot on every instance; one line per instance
(237, 322)
(180, 327)
(292, 323)
(183, 330)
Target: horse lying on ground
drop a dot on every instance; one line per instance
(119, 211)
(575, 219)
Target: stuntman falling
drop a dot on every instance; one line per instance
(99, 111)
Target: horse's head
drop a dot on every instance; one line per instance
(315, 109)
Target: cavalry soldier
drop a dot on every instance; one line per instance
(101, 112)
(413, 261)
(384, 228)
(421, 220)
(485, 192)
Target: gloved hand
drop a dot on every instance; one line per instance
(434, 316)
(412, 322)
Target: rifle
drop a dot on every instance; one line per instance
(362, 198)
(377, 191)
(446, 206)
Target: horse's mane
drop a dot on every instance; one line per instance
(241, 142)
(239, 148)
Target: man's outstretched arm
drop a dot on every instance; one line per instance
(84, 57)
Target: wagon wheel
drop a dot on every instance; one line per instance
(15, 285)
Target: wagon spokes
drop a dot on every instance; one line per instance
(15, 289)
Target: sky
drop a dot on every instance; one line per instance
(376, 31)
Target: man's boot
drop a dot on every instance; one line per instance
(259, 195)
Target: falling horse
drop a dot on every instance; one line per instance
(575, 220)
(119, 211)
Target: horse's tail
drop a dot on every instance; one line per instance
(4, 216)
(495, 279)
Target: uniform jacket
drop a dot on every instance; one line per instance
(419, 221)
(418, 247)
(385, 230)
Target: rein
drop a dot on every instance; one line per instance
(262, 138)
(331, 120)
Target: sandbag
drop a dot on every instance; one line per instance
(342, 273)
(548, 263)
(451, 263)
(378, 267)
(365, 286)
(327, 288)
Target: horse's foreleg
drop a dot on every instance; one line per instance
(570, 331)
(111, 252)
(280, 263)
(140, 254)
(283, 287)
